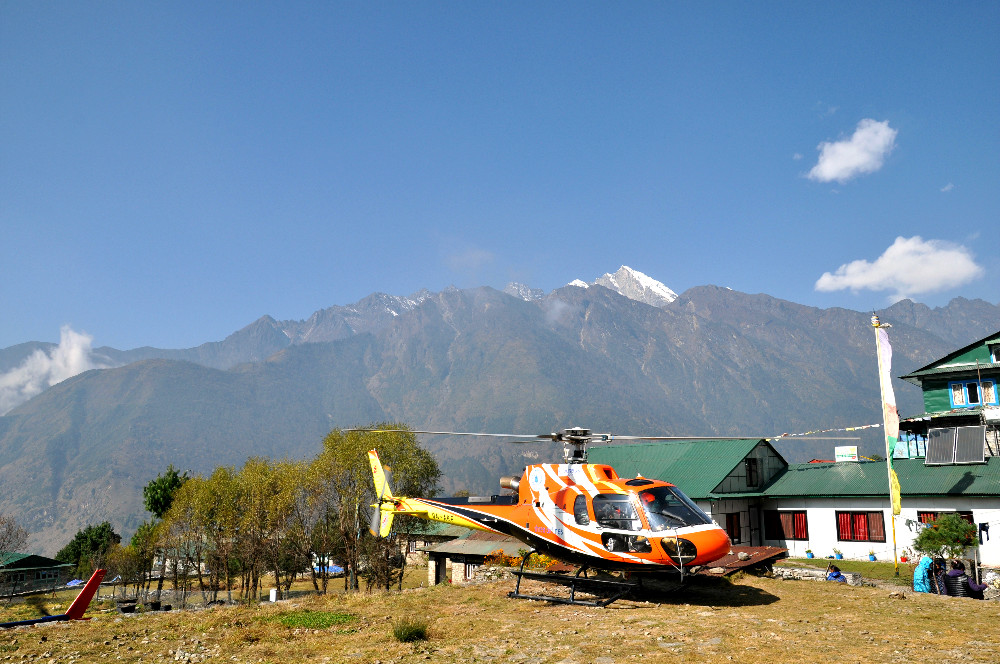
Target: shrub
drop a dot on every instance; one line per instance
(409, 629)
(500, 559)
(947, 537)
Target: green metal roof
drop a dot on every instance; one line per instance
(871, 479)
(954, 412)
(696, 466)
(19, 562)
(952, 369)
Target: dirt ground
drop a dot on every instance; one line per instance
(750, 620)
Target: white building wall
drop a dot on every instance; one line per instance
(822, 524)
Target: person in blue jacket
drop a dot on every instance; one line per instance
(834, 574)
(922, 582)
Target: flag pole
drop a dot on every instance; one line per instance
(890, 418)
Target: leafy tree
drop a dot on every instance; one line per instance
(947, 537)
(89, 547)
(157, 496)
(144, 544)
(159, 493)
(345, 482)
(12, 536)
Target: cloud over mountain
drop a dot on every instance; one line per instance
(864, 152)
(909, 267)
(42, 370)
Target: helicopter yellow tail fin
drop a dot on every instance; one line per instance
(381, 523)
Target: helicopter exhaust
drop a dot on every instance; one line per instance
(509, 482)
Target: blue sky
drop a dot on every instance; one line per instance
(169, 172)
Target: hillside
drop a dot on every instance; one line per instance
(714, 361)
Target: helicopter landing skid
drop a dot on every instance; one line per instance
(607, 591)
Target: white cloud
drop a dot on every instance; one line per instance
(43, 370)
(909, 267)
(948, 187)
(864, 152)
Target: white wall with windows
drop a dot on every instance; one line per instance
(859, 525)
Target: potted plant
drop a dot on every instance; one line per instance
(904, 555)
(871, 554)
(809, 553)
(838, 554)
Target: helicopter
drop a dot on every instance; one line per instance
(580, 513)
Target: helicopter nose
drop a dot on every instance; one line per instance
(712, 544)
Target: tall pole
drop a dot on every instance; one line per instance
(890, 423)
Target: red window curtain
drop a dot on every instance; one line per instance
(860, 523)
(876, 527)
(844, 526)
(927, 517)
(787, 524)
(801, 529)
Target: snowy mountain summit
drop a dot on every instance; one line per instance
(637, 286)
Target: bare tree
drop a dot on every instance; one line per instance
(13, 537)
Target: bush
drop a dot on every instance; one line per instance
(500, 559)
(410, 629)
(947, 537)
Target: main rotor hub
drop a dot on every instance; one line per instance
(574, 442)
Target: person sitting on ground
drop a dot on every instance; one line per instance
(833, 574)
(958, 583)
(938, 570)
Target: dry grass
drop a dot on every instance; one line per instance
(754, 620)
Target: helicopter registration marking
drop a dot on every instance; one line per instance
(558, 532)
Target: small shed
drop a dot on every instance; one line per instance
(22, 573)
(465, 554)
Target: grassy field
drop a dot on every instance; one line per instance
(748, 620)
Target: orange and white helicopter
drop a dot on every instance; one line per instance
(577, 512)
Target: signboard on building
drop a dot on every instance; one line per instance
(846, 453)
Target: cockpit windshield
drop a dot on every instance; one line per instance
(668, 508)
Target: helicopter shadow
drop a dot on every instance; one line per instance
(712, 592)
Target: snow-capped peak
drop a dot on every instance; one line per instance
(637, 286)
(579, 283)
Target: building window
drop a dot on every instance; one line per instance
(860, 527)
(786, 525)
(46, 575)
(995, 352)
(989, 392)
(470, 570)
(972, 393)
(733, 527)
(931, 517)
(411, 546)
(753, 473)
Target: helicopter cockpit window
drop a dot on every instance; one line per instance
(580, 511)
(615, 511)
(667, 508)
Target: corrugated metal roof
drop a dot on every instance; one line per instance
(870, 479)
(696, 466)
(479, 543)
(423, 528)
(953, 369)
(11, 562)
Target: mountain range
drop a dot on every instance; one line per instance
(622, 354)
